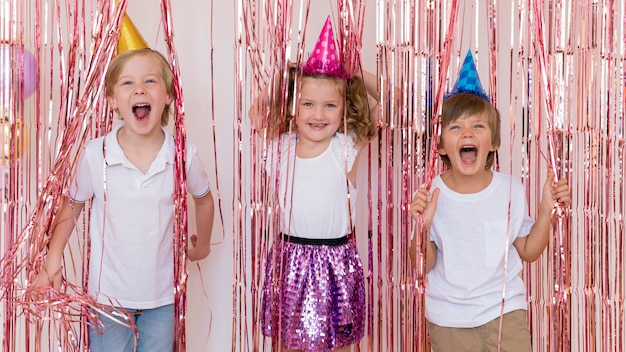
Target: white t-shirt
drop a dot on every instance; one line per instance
(313, 192)
(474, 234)
(131, 258)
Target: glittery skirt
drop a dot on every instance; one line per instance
(313, 296)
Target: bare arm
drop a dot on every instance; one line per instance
(424, 204)
(531, 246)
(50, 275)
(201, 243)
(430, 255)
(371, 84)
(259, 109)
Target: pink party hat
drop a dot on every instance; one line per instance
(325, 60)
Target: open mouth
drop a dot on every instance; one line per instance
(141, 111)
(469, 154)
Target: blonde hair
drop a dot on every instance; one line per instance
(356, 120)
(117, 65)
(461, 104)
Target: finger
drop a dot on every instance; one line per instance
(549, 179)
(434, 197)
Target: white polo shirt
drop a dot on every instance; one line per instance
(131, 258)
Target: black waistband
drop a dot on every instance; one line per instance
(315, 241)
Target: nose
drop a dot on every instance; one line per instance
(319, 113)
(467, 132)
(139, 89)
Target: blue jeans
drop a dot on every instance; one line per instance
(155, 327)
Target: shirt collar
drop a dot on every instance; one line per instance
(115, 155)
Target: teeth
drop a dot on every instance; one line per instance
(138, 106)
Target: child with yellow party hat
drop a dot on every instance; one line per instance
(128, 178)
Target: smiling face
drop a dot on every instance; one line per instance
(320, 109)
(470, 134)
(138, 91)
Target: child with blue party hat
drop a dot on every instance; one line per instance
(479, 230)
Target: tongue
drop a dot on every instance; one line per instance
(141, 112)
(468, 156)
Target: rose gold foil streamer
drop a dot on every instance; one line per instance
(60, 320)
(576, 289)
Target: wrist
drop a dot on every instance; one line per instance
(50, 274)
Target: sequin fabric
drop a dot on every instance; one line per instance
(314, 297)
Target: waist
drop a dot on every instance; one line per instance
(314, 241)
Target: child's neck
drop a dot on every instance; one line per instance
(140, 150)
(467, 184)
(310, 149)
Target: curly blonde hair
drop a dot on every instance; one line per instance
(357, 117)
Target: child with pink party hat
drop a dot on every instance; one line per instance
(314, 290)
(478, 230)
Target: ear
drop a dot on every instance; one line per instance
(441, 150)
(112, 102)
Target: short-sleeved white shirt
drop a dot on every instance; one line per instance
(131, 223)
(474, 234)
(314, 192)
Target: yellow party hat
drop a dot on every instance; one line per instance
(130, 38)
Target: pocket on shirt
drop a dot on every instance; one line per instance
(495, 242)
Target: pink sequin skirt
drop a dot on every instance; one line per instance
(313, 296)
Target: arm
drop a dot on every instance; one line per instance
(531, 246)
(201, 243)
(259, 109)
(422, 206)
(430, 255)
(371, 84)
(260, 112)
(50, 275)
(390, 94)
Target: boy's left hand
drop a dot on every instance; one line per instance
(198, 252)
(554, 192)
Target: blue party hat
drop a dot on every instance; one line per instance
(468, 81)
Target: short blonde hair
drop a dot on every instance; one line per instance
(117, 65)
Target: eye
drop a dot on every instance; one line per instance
(307, 104)
(126, 83)
(151, 80)
(331, 105)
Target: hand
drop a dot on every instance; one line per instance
(43, 282)
(198, 252)
(422, 205)
(554, 192)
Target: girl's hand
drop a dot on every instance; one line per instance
(422, 205)
(554, 192)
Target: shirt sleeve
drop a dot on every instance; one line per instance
(197, 179)
(81, 185)
(344, 149)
